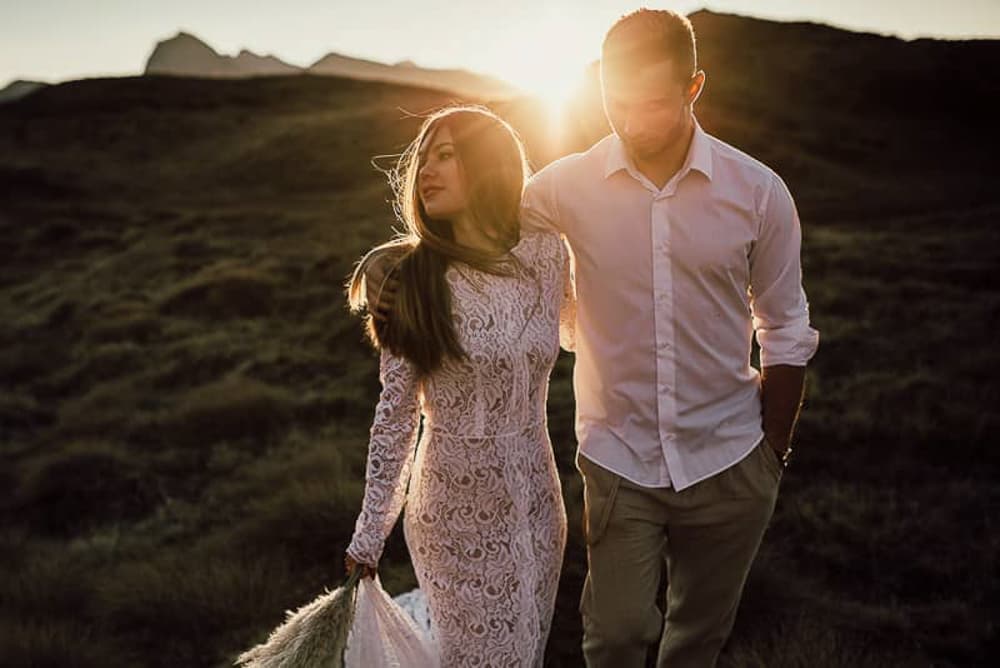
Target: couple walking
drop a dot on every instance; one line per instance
(655, 256)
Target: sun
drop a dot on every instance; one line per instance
(554, 84)
(546, 54)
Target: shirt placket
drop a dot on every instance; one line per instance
(663, 311)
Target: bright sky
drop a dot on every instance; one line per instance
(531, 43)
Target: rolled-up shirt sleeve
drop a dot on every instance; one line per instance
(778, 302)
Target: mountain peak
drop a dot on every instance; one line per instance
(183, 36)
(186, 55)
(15, 90)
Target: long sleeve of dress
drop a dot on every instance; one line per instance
(391, 446)
(567, 307)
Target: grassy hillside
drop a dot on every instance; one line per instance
(185, 399)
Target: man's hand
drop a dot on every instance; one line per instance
(380, 288)
(350, 564)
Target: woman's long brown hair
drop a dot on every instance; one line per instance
(492, 159)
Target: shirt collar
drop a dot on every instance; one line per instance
(699, 155)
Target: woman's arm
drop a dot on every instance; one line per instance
(391, 446)
(567, 307)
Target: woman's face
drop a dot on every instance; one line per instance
(440, 178)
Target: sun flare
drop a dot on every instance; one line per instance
(555, 87)
(550, 57)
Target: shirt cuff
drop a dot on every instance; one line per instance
(793, 344)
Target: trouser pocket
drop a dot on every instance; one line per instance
(599, 489)
(773, 463)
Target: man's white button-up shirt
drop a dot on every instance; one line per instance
(671, 284)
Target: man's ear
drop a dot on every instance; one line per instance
(695, 87)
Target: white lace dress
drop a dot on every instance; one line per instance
(485, 522)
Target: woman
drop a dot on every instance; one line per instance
(469, 343)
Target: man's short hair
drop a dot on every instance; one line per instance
(648, 36)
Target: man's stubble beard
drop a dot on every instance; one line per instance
(677, 135)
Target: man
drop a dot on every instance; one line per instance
(683, 248)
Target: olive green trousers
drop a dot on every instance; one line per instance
(707, 534)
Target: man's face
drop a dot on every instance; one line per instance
(648, 108)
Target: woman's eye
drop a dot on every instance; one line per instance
(444, 155)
